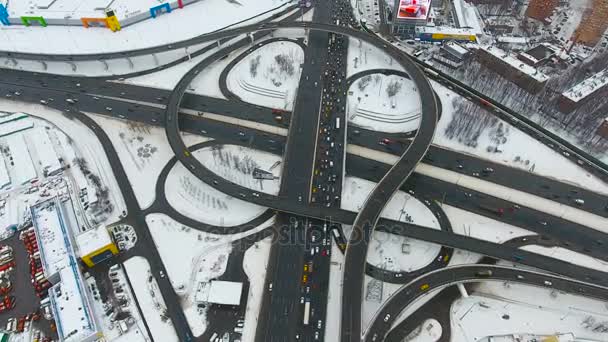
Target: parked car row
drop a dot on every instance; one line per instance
(39, 281)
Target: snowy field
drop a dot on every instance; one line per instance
(371, 306)
(507, 308)
(199, 201)
(500, 142)
(255, 256)
(482, 227)
(429, 331)
(167, 28)
(237, 163)
(389, 251)
(143, 151)
(150, 299)
(192, 257)
(363, 56)
(384, 103)
(269, 75)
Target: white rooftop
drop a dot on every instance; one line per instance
(70, 302)
(71, 309)
(52, 236)
(456, 47)
(5, 179)
(516, 63)
(445, 30)
(587, 86)
(47, 156)
(92, 240)
(468, 16)
(24, 167)
(220, 292)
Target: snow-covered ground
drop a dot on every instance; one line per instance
(429, 331)
(71, 140)
(237, 163)
(256, 256)
(192, 257)
(334, 292)
(363, 56)
(150, 299)
(269, 75)
(372, 305)
(199, 201)
(505, 144)
(384, 103)
(482, 227)
(178, 25)
(143, 151)
(137, 331)
(507, 308)
(195, 199)
(388, 251)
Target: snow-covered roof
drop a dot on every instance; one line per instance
(52, 235)
(21, 157)
(513, 40)
(11, 117)
(44, 150)
(92, 240)
(456, 48)
(69, 299)
(587, 86)
(220, 292)
(14, 126)
(71, 307)
(444, 30)
(516, 63)
(5, 179)
(468, 16)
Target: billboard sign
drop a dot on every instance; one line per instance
(413, 9)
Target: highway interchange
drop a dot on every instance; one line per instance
(159, 107)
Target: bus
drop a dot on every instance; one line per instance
(306, 313)
(337, 123)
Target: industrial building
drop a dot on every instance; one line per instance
(541, 9)
(219, 292)
(70, 301)
(20, 156)
(593, 24)
(95, 246)
(592, 87)
(444, 33)
(47, 156)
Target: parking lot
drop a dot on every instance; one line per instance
(26, 301)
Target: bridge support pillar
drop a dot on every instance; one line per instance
(44, 66)
(155, 59)
(187, 53)
(463, 291)
(131, 65)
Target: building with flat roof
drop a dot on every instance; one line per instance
(70, 301)
(95, 246)
(593, 24)
(593, 86)
(408, 14)
(602, 130)
(511, 68)
(20, 155)
(541, 9)
(47, 156)
(219, 292)
(537, 55)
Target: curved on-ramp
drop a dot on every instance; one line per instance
(400, 300)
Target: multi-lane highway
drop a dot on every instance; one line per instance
(301, 220)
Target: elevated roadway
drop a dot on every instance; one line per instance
(405, 296)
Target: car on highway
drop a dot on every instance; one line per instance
(387, 317)
(579, 201)
(484, 273)
(424, 287)
(548, 283)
